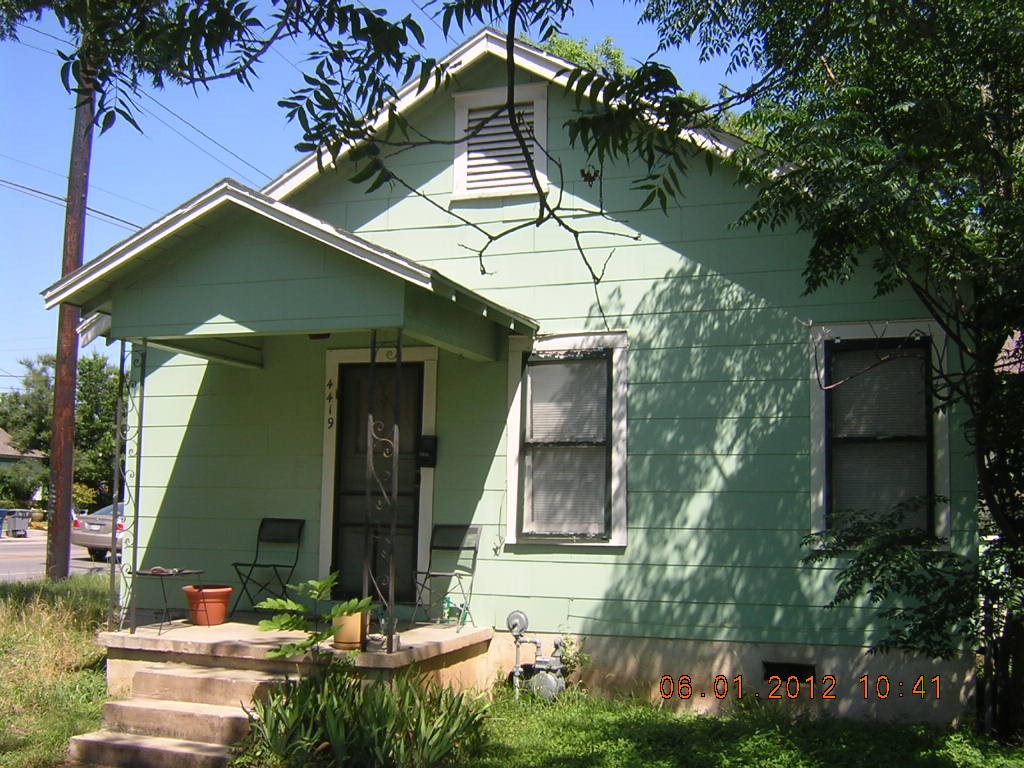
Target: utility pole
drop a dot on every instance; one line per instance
(62, 446)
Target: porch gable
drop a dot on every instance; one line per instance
(231, 267)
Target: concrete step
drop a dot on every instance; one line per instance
(106, 748)
(203, 685)
(177, 720)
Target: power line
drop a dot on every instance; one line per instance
(57, 200)
(430, 16)
(37, 48)
(47, 34)
(172, 128)
(205, 135)
(91, 185)
(288, 61)
(196, 145)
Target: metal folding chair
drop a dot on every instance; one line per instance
(277, 554)
(453, 552)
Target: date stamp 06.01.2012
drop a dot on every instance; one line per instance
(811, 687)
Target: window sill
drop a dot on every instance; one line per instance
(566, 541)
(490, 194)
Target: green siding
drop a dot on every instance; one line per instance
(270, 280)
(246, 445)
(719, 393)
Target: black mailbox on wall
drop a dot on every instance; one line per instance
(426, 456)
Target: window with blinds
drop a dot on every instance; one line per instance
(566, 446)
(489, 160)
(879, 428)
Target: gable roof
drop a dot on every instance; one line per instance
(486, 42)
(91, 281)
(8, 452)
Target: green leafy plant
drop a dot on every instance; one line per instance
(335, 718)
(285, 727)
(314, 620)
(574, 658)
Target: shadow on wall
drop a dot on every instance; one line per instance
(247, 446)
(719, 497)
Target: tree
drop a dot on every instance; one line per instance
(603, 55)
(25, 413)
(20, 480)
(95, 411)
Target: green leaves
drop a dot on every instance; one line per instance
(27, 414)
(306, 614)
(404, 722)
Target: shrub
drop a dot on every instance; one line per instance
(335, 718)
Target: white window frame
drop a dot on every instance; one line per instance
(616, 343)
(820, 334)
(495, 97)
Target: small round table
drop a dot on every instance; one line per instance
(159, 572)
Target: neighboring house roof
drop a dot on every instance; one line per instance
(9, 453)
(487, 42)
(93, 280)
(1011, 356)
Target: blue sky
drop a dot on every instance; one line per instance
(190, 140)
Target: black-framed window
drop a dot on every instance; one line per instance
(566, 445)
(879, 441)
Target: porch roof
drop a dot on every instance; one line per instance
(402, 292)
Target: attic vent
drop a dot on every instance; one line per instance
(490, 161)
(495, 158)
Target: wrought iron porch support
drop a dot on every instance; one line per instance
(127, 476)
(382, 452)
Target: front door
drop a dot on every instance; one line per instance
(352, 535)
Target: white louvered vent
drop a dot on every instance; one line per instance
(490, 160)
(494, 156)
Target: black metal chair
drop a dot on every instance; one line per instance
(453, 553)
(277, 554)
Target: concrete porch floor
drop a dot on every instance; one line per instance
(453, 655)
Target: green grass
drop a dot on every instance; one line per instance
(54, 686)
(581, 731)
(53, 671)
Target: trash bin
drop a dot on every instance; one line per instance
(17, 522)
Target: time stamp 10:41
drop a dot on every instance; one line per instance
(794, 687)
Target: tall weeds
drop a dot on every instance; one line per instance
(51, 666)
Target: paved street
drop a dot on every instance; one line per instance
(25, 559)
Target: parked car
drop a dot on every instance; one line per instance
(92, 531)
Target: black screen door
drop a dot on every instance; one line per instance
(350, 508)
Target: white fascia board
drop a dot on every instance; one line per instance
(352, 245)
(229, 191)
(128, 249)
(511, 321)
(93, 327)
(487, 41)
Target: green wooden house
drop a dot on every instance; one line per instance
(643, 457)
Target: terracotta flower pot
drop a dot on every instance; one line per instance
(208, 603)
(348, 632)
